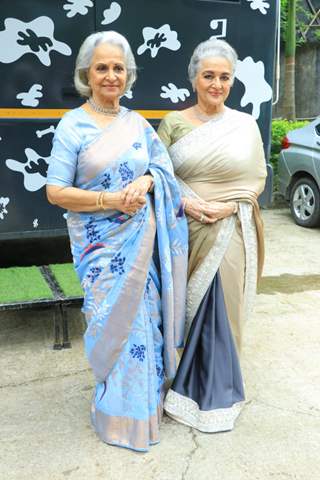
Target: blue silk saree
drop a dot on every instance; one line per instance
(132, 269)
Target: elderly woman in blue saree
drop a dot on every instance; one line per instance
(128, 238)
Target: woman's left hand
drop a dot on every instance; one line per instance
(137, 188)
(220, 210)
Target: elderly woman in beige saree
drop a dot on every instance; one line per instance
(218, 158)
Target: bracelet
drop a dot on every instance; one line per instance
(99, 202)
(103, 207)
(102, 201)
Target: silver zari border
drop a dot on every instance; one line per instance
(202, 277)
(250, 244)
(185, 410)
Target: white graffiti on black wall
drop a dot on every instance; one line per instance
(257, 90)
(111, 14)
(260, 5)
(3, 206)
(30, 98)
(154, 39)
(220, 27)
(46, 131)
(34, 170)
(75, 7)
(36, 37)
(174, 93)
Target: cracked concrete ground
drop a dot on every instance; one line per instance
(45, 430)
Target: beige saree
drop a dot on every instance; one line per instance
(221, 160)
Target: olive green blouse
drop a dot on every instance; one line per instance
(172, 127)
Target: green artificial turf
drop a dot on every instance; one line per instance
(67, 279)
(18, 284)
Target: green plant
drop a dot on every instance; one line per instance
(304, 16)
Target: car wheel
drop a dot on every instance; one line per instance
(305, 202)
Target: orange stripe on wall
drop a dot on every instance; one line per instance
(57, 113)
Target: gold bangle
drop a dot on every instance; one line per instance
(102, 202)
(98, 200)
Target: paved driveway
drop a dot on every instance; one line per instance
(45, 432)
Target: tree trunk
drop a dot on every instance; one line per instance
(290, 57)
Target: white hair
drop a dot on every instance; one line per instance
(85, 55)
(211, 48)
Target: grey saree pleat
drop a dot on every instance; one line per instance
(208, 387)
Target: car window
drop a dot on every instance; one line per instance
(318, 129)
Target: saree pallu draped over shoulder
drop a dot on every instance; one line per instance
(134, 301)
(222, 160)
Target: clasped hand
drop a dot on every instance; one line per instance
(132, 197)
(208, 212)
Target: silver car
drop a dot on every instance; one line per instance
(299, 173)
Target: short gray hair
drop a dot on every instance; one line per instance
(212, 48)
(85, 55)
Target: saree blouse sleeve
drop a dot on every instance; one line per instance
(164, 131)
(64, 154)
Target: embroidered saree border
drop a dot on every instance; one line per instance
(202, 277)
(127, 432)
(251, 248)
(185, 410)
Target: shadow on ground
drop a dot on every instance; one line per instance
(288, 283)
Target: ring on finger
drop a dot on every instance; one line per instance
(201, 218)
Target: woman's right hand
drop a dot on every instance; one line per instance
(118, 203)
(199, 210)
(208, 212)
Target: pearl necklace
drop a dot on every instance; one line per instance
(205, 118)
(111, 112)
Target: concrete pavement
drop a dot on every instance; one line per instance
(45, 431)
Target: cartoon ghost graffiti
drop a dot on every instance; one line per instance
(36, 37)
(174, 93)
(34, 170)
(260, 5)
(30, 98)
(111, 14)
(257, 90)
(154, 39)
(75, 7)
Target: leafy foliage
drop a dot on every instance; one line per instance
(280, 128)
(304, 16)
